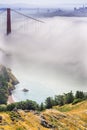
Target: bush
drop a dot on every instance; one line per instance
(27, 105)
(24, 105)
(3, 108)
(10, 107)
(76, 101)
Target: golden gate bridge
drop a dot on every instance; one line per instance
(9, 19)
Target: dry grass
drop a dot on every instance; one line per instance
(70, 117)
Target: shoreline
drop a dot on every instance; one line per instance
(10, 99)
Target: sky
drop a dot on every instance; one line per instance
(45, 2)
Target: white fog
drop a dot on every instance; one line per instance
(47, 58)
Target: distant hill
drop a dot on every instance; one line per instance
(19, 5)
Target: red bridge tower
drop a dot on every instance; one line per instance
(8, 21)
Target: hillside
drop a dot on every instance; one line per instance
(7, 83)
(6, 73)
(67, 117)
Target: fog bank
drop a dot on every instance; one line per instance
(50, 56)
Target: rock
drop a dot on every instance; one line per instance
(46, 124)
(25, 90)
(0, 119)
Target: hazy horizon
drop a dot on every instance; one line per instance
(47, 3)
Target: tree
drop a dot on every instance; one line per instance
(69, 97)
(59, 100)
(3, 90)
(42, 107)
(3, 108)
(49, 102)
(32, 105)
(79, 94)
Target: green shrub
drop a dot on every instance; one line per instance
(3, 108)
(76, 101)
(10, 107)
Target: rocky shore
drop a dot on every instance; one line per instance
(10, 79)
(10, 99)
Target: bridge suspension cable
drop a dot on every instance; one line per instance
(27, 16)
(2, 11)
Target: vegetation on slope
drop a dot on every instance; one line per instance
(3, 91)
(7, 83)
(63, 112)
(50, 119)
(59, 100)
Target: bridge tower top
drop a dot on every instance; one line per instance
(8, 21)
